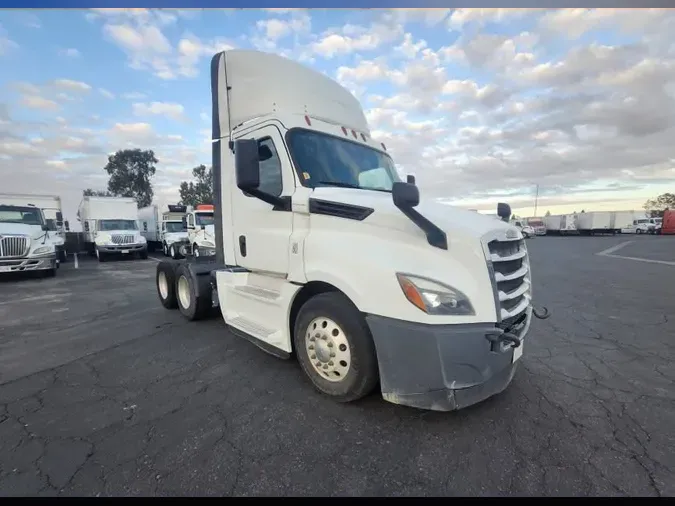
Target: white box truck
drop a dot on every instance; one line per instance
(24, 240)
(561, 224)
(149, 223)
(323, 252)
(110, 226)
(53, 216)
(596, 222)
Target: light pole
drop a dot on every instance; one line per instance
(536, 198)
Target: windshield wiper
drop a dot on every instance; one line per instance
(337, 183)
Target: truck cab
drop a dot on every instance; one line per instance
(24, 241)
(322, 252)
(200, 226)
(524, 228)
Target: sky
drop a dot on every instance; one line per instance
(482, 105)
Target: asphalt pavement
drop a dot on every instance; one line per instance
(103, 392)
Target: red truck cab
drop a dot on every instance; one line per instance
(668, 226)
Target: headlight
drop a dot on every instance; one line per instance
(142, 239)
(102, 239)
(433, 297)
(42, 250)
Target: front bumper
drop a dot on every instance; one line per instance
(121, 248)
(439, 367)
(38, 263)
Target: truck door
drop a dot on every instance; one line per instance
(261, 235)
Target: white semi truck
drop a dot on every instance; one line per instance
(24, 240)
(110, 226)
(323, 252)
(200, 237)
(174, 235)
(53, 216)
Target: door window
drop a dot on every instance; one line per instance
(270, 168)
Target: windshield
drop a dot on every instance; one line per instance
(107, 225)
(536, 223)
(173, 226)
(20, 214)
(658, 220)
(324, 160)
(204, 219)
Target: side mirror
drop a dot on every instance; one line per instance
(247, 164)
(67, 225)
(410, 179)
(59, 216)
(203, 227)
(504, 211)
(45, 228)
(405, 195)
(264, 153)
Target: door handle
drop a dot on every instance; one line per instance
(242, 245)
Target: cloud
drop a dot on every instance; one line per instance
(106, 93)
(168, 110)
(70, 52)
(138, 32)
(352, 38)
(71, 85)
(38, 102)
(6, 44)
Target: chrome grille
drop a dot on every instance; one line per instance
(510, 269)
(122, 239)
(12, 246)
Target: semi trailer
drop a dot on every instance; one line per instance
(560, 224)
(110, 227)
(324, 254)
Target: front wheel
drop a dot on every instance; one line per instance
(335, 348)
(100, 256)
(165, 250)
(195, 251)
(143, 255)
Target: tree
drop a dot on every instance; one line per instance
(96, 193)
(660, 204)
(548, 213)
(201, 190)
(130, 173)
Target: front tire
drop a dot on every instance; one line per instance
(143, 255)
(100, 256)
(195, 250)
(335, 348)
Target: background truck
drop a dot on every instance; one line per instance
(537, 225)
(53, 216)
(560, 224)
(24, 240)
(596, 222)
(149, 223)
(322, 252)
(110, 226)
(524, 228)
(200, 226)
(174, 234)
(668, 223)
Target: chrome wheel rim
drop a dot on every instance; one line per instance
(328, 349)
(184, 292)
(163, 285)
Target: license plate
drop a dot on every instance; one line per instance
(518, 352)
(125, 251)
(5, 268)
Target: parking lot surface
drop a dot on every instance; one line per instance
(104, 392)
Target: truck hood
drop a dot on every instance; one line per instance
(175, 236)
(35, 232)
(455, 222)
(210, 231)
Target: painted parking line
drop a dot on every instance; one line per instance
(609, 252)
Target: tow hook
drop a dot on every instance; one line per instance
(504, 337)
(542, 316)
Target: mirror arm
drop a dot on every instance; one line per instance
(281, 203)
